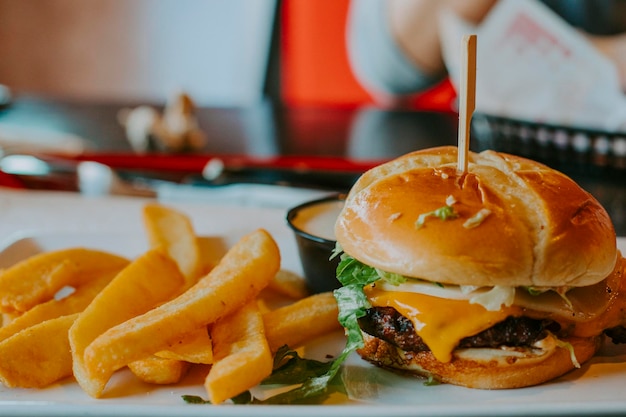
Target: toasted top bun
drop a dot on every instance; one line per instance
(543, 230)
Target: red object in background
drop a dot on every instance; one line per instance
(315, 70)
(441, 97)
(314, 67)
(10, 181)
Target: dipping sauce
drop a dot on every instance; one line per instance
(318, 219)
(313, 224)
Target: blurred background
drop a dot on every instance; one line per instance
(250, 55)
(225, 53)
(137, 50)
(268, 77)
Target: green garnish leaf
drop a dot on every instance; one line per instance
(351, 271)
(442, 213)
(391, 277)
(534, 291)
(194, 399)
(290, 368)
(431, 381)
(243, 398)
(317, 378)
(352, 304)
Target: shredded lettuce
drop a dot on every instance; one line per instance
(566, 345)
(431, 381)
(561, 291)
(495, 298)
(443, 213)
(477, 218)
(337, 250)
(391, 277)
(535, 290)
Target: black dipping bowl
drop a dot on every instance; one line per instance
(315, 250)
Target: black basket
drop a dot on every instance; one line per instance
(563, 147)
(594, 159)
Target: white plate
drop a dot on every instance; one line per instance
(596, 388)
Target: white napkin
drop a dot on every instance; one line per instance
(533, 66)
(16, 138)
(245, 195)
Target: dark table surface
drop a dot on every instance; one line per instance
(368, 134)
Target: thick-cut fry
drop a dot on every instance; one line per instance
(155, 370)
(7, 318)
(195, 347)
(242, 355)
(37, 356)
(151, 279)
(306, 319)
(242, 273)
(211, 251)
(173, 230)
(73, 303)
(289, 284)
(14, 298)
(38, 278)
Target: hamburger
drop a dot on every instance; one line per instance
(504, 276)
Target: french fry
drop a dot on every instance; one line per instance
(241, 274)
(37, 356)
(73, 303)
(168, 366)
(149, 280)
(173, 230)
(38, 278)
(289, 284)
(156, 370)
(242, 355)
(7, 318)
(195, 347)
(211, 251)
(306, 319)
(172, 307)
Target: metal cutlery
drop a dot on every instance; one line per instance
(263, 186)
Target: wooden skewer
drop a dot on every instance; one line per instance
(467, 99)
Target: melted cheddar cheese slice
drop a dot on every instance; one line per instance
(441, 323)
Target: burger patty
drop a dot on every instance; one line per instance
(388, 324)
(617, 334)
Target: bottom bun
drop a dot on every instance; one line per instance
(485, 368)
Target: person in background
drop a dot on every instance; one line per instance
(394, 46)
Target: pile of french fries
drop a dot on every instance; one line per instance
(87, 313)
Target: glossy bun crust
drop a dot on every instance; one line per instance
(542, 229)
(483, 368)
